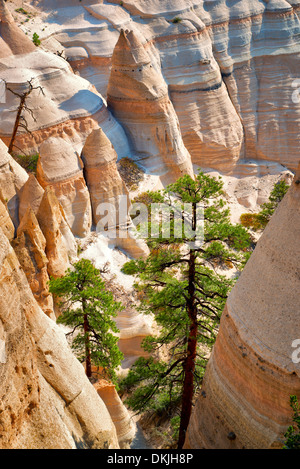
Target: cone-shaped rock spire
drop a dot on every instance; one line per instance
(128, 51)
(50, 218)
(30, 196)
(109, 192)
(138, 97)
(101, 173)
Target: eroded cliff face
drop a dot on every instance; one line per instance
(251, 374)
(46, 399)
(209, 83)
(30, 246)
(230, 68)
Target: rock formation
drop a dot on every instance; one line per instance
(30, 195)
(60, 167)
(251, 374)
(138, 97)
(12, 179)
(58, 235)
(46, 400)
(103, 180)
(6, 224)
(231, 68)
(30, 246)
(109, 193)
(53, 224)
(125, 426)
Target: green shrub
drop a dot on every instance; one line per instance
(258, 221)
(292, 434)
(28, 162)
(36, 39)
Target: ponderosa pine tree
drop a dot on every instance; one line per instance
(89, 308)
(181, 285)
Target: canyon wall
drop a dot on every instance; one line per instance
(251, 374)
(231, 69)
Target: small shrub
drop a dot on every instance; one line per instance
(253, 220)
(28, 162)
(130, 173)
(176, 20)
(36, 39)
(21, 10)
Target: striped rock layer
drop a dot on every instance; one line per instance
(231, 69)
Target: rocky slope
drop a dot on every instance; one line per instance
(250, 376)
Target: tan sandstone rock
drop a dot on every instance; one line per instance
(251, 373)
(231, 69)
(109, 194)
(5, 222)
(12, 39)
(51, 220)
(125, 426)
(30, 247)
(60, 167)
(103, 179)
(46, 400)
(138, 97)
(70, 113)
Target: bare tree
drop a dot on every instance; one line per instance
(20, 118)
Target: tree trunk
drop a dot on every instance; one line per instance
(88, 363)
(189, 364)
(16, 126)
